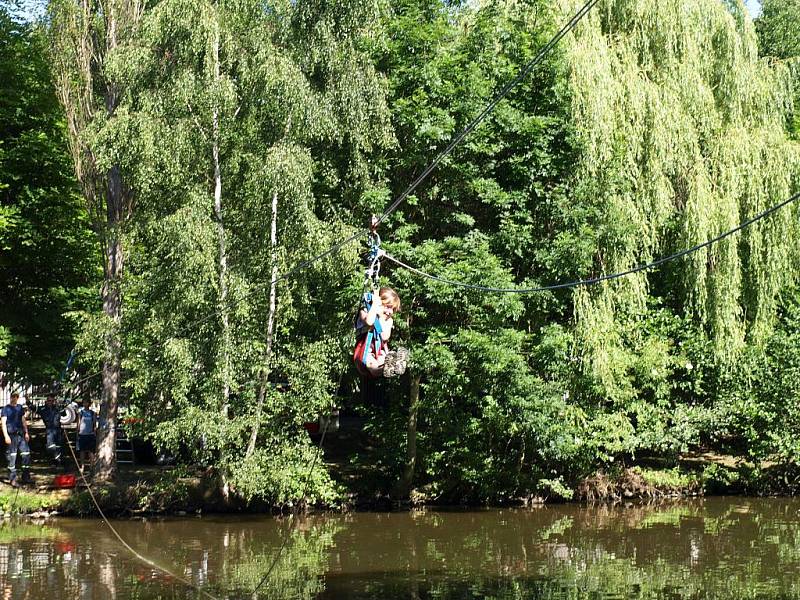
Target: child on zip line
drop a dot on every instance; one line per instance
(374, 324)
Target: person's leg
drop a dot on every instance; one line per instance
(11, 457)
(25, 456)
(52, 444)
(80, 445)
(57, 441)
(395, 363)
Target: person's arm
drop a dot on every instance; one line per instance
(25, 425)
(369, 317)
(6, 437)
(386, 329)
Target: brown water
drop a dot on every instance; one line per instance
(713, 548)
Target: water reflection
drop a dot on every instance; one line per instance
(714, 548)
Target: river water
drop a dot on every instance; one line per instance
(705, 548)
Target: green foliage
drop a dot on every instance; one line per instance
(48, 260)
(23, 501)
(654, 126)
(230, 108)
(779, 38)
(778, 34)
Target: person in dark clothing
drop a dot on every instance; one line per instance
(87, 433)
(51, 417)
(15, 434)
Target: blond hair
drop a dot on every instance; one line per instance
(390, 298)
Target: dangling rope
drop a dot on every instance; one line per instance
(144, 559)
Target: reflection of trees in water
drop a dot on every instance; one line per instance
(708, 549)
(44, 562)
(726, 549)
(298, 573)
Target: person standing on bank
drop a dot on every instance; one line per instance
(15, 434)
(51, 416)
(87, 433)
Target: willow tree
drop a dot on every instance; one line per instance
(249, 129)
(680, 129)
(779, 38)
(83, 35)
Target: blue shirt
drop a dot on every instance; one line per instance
(51, 415)
(86, 418)
(13, 415)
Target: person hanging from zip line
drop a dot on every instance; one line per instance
(51, 417)
(375, 320)
(15, 433)
(374, 324)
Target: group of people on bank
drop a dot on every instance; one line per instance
(16, 435)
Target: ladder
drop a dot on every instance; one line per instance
(124, 447)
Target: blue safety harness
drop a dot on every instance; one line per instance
(372, 279)
(373, 334)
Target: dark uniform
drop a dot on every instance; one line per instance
(18, 445)
(51, 416)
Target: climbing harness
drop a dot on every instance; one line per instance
(369, 340)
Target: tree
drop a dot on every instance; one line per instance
(251, 131)
(84, 34)
(779, 37)
(777, 30)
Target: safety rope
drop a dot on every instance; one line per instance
(288, 535)
(601, 278)
(144, 559)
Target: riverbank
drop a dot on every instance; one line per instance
(181, 491)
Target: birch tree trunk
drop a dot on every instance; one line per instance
(105, 461)
(273, 296)
(223, 257)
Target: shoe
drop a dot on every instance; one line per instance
(395, 363)
(14, 483)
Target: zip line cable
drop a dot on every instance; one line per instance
(504, 91)
(526, 70)
(414, 184)
(594, 280)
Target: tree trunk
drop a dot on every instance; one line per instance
(105, 460)
(273, 295)
(223, 257)
(403, 488)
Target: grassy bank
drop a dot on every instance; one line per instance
(183, 491)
